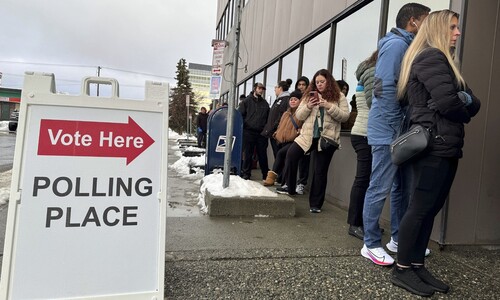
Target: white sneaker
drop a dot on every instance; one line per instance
(377, 255)
(392, 246)
(300, 189)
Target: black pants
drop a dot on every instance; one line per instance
(304, 169)
(279, 162)
(432, 180)
(321, 160)
(361, 180)
(202, 139)
(274, 146)
(251, 141)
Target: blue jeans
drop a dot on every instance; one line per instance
(385, 178)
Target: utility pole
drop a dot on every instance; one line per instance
(187, 116)
(232, 94)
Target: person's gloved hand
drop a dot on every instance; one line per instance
(200, 130)
(431, 104)
(466, 98)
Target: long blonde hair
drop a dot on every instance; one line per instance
(435, 32)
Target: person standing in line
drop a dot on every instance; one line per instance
(201, 121)
(365, 75)
(439, 100)
(384, 120)
(279, 106)
(254, 111)
(322, 109)
(288, 130)
(301, 85)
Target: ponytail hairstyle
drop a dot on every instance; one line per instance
(435, 32)
(285, 85)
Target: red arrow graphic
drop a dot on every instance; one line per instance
(94, 139)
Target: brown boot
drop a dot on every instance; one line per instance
(270, 179)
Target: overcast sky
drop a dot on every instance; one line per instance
(128, 39)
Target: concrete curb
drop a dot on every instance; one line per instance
(281, 206)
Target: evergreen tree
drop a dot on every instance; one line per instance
(177, 106)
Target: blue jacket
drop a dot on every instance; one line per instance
(385, 114)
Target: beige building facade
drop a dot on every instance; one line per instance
(283, 39)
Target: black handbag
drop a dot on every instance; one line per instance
(327, 143)
(410, 144)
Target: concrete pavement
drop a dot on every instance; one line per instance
(309, 256)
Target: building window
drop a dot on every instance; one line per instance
(354, 42)
(395, 5)
(316, 54)
(271, 81)
(290, 65)
(248, 86)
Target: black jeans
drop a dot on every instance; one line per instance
(361, 180)
(279, 163)
(254, 140)
(322, 161)
(432, 180)
(274, 146)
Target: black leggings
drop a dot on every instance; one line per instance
(361, 180)
(432, 180)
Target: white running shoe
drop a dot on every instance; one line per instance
(392, 246)
(377, 255)
(300, 189)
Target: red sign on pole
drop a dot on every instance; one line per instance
(96, 139)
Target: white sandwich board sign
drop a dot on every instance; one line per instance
(87, 206)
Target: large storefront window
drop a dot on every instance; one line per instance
(395, 5)
(271, 80)
(356, 39)
(290, 65)
(316, 54)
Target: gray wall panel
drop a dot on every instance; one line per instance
(474, 209)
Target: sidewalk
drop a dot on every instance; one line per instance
(309, 256)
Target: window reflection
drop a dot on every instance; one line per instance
(355, 41)
(290, 66)
(248, 86)
(271, 80)
(316, 54)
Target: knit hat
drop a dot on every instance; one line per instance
(297, 94)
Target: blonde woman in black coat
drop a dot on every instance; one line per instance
(440, 100)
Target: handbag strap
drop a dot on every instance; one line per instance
(294, 124)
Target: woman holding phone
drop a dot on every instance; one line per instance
(323, 109)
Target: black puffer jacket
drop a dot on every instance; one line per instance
(279, 106)
(431, 77)
(254, 112)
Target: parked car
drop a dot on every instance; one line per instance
(14, 117)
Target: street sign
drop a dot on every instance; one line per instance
(218, 56)
(88, 197)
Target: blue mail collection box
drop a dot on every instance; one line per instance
(216, 141)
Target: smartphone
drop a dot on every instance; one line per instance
(314, 94)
